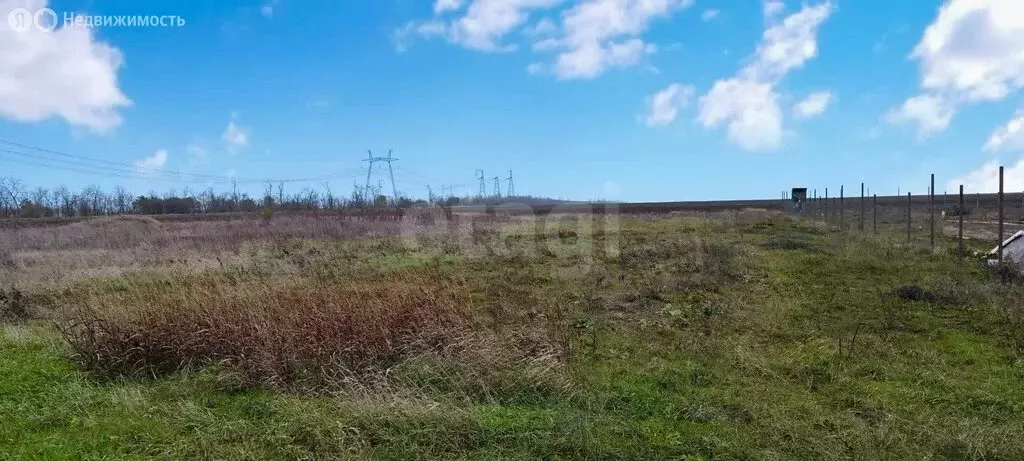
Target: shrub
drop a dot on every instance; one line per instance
(7, 260)
(1007, 273)
(273, 334)
(13, 305)
(914, 293)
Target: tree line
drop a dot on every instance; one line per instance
(19, 200)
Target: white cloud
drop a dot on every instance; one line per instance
(235, 136)
(443, 6)
(153, 163)
(772, 8)
(788, 45)
(196, 150)
(591, 36)
(594, 58)
(932, 114)
(1009, 136)
(709, 14)
(986, 178)
(66, 73)
(664, 106)
(487, 22)
(813, 105)
(749, 108)
(543, 28)
(535, 68)
(973, 52)
(604, 34)
(748, 103)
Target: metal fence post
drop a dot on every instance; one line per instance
(860, 224)
(908, 217)
(842, 210)
(874, 214)
(931, 207)
(960, 224)
(999, 247)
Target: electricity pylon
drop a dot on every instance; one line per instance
(511, 185)
(391, 173)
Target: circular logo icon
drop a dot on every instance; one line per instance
(20, 19)
(46, 20)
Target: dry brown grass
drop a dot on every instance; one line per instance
(279, 333)
(117, 245)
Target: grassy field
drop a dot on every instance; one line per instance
(732, 335)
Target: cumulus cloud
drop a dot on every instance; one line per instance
(788, 45)
(600, 35)
(66, 73)
(747, 104)
(986, 178)
(1009, 136)
(813, 105)
(930, 113)
(972, 52)
(772, 8)
(153, 163)
(749, 108)
(483, 26)
(235, 136)
(664, 106)
(709, 14)
(589, 38)
(443, 6)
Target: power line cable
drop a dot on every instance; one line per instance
(118, 169)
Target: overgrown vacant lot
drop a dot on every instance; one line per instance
(724, 336)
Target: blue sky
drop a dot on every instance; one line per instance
(582, 99)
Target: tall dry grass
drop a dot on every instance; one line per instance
(122, 232)
(272, 333)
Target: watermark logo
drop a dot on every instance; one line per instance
(46, 20)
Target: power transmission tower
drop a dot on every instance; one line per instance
(391, 173)
(497, 186)
(483, 184)
(511, 185)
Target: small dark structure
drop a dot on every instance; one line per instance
(799, 197)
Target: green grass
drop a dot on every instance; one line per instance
(704, 339)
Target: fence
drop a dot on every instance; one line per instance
(915, 219)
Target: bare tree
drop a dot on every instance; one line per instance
(121, 199)
(268, 195)
(328, 196)
(11, 192)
